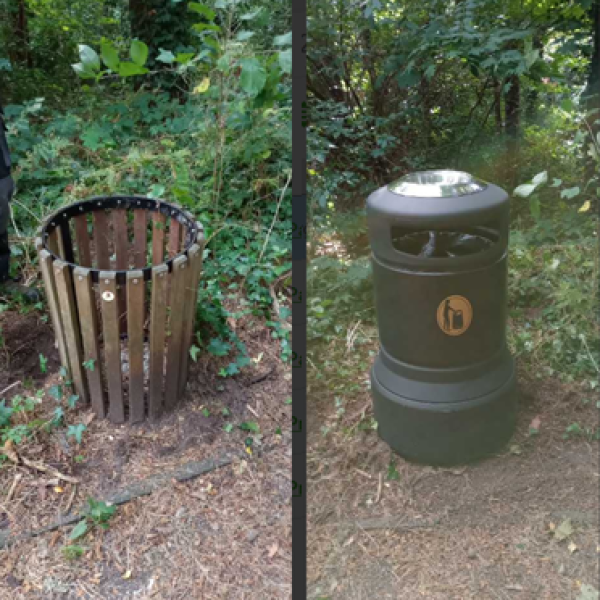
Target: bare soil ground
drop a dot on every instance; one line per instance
(488, 531)
(226, 534)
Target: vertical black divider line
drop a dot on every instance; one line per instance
(298, 234)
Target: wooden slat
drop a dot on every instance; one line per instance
(82, 237)
(140, 238)
(101, 239)
(135, 330)
(112, 345)
(121, 238)
(52, 295)
(158, 238)
(88, 319)
(178, 277)
(174, 238)
(70, 322)
(158, 313)
(189, 312)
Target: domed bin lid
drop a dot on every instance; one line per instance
(436, 197)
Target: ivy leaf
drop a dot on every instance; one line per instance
(525, 190)
(243, 361)
(232, 369)
(202, 9)
(570, 193)
(165, 56)
(89, 58)
(253, 77)
(5, 413)
(285, 61)
(283, 40)
(76, 431)
(91, 138)
(556, 182)
(194, 353)
(540, 178)
(56, 392)
(138, 53)
(79, 530)
(242, 36)
(110, 57)
(217, 347)
(59, 414)
(249, 426)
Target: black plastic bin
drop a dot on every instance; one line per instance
(444, 382)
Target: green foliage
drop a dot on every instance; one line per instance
(95, 514)
(89, 365)
(76, 431)
(396, 88)
(99, 513)
(249, 426)
(72, 552)
(217, 143)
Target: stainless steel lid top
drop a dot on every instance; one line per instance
(437, 184)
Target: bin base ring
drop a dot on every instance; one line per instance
(450, 434)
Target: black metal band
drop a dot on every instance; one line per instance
(61, 218)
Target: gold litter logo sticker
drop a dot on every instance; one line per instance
(454, 315)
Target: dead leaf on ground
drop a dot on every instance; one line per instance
(273, 550)
(572, 547)
(88, 418)
(11, 454)
(564, 530)
(588, 592)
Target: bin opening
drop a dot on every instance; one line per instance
(443, 244)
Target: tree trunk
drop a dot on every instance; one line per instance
(533, 93)
(21, 53)
(591, 95)
(498, 106)
(512, 114)
(161, 24)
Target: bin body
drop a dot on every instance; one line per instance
(121, 275)
(444, 383)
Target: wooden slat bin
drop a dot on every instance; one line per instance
(122, 295)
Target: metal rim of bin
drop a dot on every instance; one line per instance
(99, 312)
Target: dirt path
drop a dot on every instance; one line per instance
(226, 534)
(484, 532)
